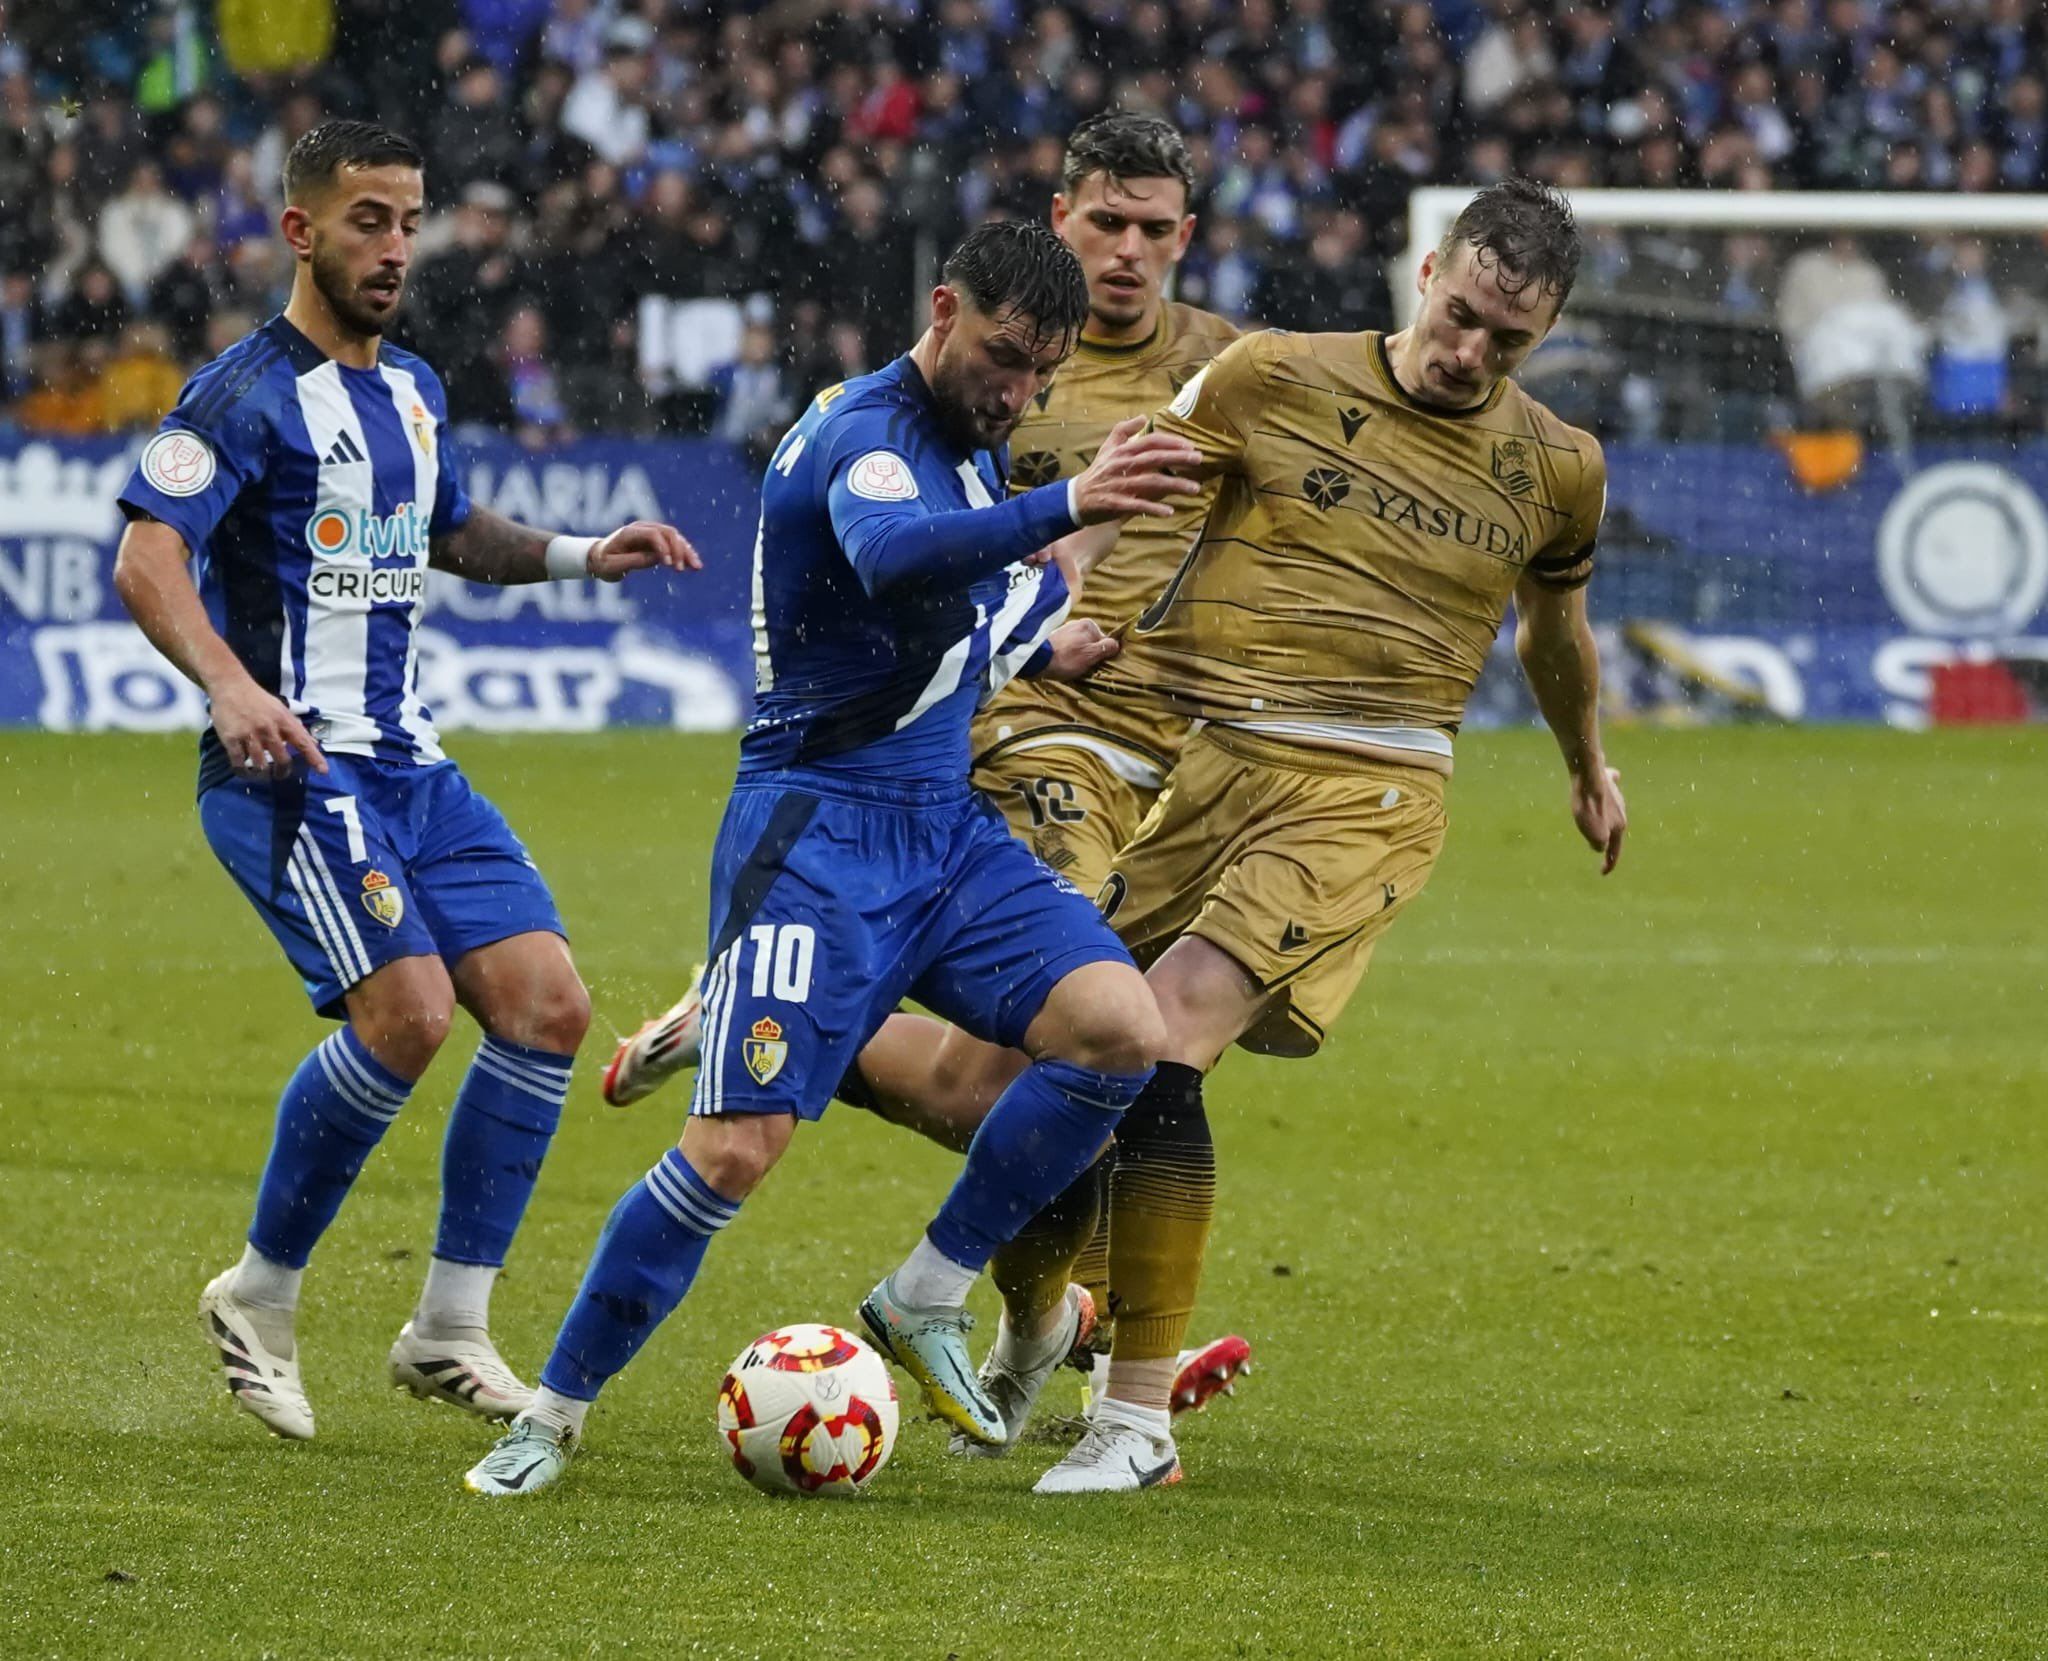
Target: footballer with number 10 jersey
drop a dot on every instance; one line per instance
(893, 589)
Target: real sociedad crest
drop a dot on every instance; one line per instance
(765, 1050)
(382, 901)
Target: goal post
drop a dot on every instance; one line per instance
(1826, 422)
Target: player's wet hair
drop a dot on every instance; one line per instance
(1123, 144)
(324, 150)
(1526, 232)
(1012, 267)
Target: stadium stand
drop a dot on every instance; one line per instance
(649, 209)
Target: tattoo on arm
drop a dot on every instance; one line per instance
(492, 549)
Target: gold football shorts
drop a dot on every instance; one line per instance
(1293, 860)
(1075, 774)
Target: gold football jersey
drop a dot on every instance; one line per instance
(1361, 548)
(1095, 389)
(1061, 431)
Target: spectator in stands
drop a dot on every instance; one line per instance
(810, 148)
(574, 35)
(1857, 353)
(65, 400)
(142, 230)
(607, 108)
(1338, 285)
(2024, 162)
(238, 210)
(94, 312)
(473, 137)
(1970, 374)
(21, 327)
(141, 380)
(182, 297)
(457, 300)
(864, 270)
(755, 405)
(1220, 274)
(197, 158)
(527, 393)
(104, 143)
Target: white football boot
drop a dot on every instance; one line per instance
(466, 1372)
(1115, 1457)
(662, 1048)
(1016, 1370)
(262, 1377)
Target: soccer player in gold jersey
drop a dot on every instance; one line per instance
(1379, 502)
(1075, 773)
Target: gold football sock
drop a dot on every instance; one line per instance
(1162, 1196)
(1033, 1270)
(1091, 1268)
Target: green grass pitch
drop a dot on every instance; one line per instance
(1650, 1267)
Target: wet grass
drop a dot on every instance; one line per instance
(1651, 1267)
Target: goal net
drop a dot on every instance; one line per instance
(1826, 420)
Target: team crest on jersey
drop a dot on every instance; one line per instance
(178, 463)
(423, 428)
(882, 476)
(765, 1050)
(1511, 467)
(382, 901)
(1190, 395)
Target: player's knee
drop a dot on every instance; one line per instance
(559, 1014)
(734, 1151)
(1112, 1024)
(403, 1014)
(407, 1040)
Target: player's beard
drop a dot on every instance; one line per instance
(353, 308)
(966, 422)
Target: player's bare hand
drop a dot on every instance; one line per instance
(261, 736)
(1079, 649)
(639, 546)
(1136, 473)
(1601, 814)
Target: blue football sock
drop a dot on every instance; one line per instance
(333, 1112)
(1043, 1132)
(645, 1261)
(505, 1114)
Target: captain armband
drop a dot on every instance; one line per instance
(1563, 571)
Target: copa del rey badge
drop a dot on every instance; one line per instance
(765, 1050)
(382, 901)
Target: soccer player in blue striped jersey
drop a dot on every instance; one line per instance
(303, 470)
(895, 587)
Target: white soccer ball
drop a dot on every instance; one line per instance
(808, 1409)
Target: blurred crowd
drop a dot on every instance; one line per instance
(687, 214)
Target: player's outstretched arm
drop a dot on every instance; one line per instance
(1554, 640)
(1136, 473)
(259, 734)
(489, 548)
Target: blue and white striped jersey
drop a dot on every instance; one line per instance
(307, 492)
(887, 598)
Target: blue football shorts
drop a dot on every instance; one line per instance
(833, 900)
(374, 861)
